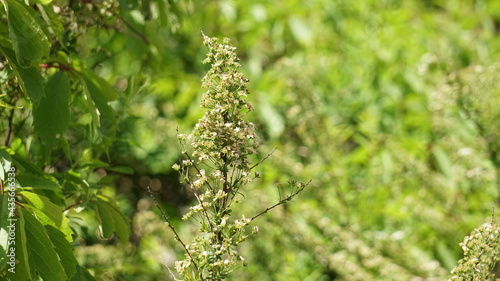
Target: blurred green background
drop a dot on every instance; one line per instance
(390, 107)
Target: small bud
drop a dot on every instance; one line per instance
(255, 230)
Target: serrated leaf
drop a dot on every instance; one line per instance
(41, 250)
(122, 224)
(100, 93)
(74, 179)
(101, 96)
(109, 212)
(82, 274)
(28, 39)
(92, 108)
(47, 212)
(106, 221)
(63, 249)
(54, 21)
(22, 270)
(51, 116)
(30, 79)
(102, 87)
(37, 181)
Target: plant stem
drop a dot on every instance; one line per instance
(177, 237)
(286, 199)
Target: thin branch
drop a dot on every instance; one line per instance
(170, 271)
(177, 237)
(61, 66)
(73, 205)
(20, 205)
(263, 159)
(288, 198)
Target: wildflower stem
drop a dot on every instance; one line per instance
(263, 159)
(282, 201)
(177, 237)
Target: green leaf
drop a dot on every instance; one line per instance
(82, 275)
(63, 249)
(37, 181)
(102, 87)
(122, 223)
(92, 108)
(22, 270)
(54, 20)
(47, 212)
(74, 179)
(30, 79)
(28, 38)
(101, 97)
(112, 219)
(26, 165)
(106, 221)
(51, 116)
(100, 93)
(121, 169)
(41, 250)
(162, 12)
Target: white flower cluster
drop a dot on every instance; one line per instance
(481, 253)
(221, 135)
(221, 141)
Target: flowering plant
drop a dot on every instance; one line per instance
(221, 142)
(481, 253)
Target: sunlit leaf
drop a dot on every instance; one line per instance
(37, 182)
(22, 270)
(63, 249)
(47, 212)
(28, 38)
(41, 250)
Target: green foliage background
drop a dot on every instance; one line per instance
(390, 107)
